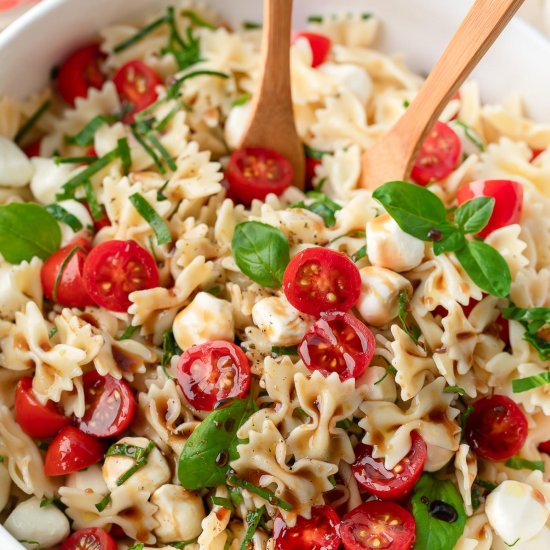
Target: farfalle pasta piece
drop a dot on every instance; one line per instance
(477, 534)
(536, 399)
(506, 240)
(214, 525)
(19, 284)
(348, 29)
(466, 472)
(531, 288)
(10, 117)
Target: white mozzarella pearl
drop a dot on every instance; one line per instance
(236, 123)
(48, 179)
(79, 211)
(90, 478)
(352, 77)
(15, 168)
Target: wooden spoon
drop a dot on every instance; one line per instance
(271, 124)
(393, 156)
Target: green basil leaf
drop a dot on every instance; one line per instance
(531, 382)
(85, 137)
(433, 533)
(27, 230)
(261, 252)
(316, 154)
(169, 348)
(454, 389)
(252, 520)
(281, 350)
(359, 254)
(518, 463)
(243, 99)
(197, 20)
(33, 119)
(474, 215)
(451, 240)
(204, 461)
(63, 216)
(534, 320)
(402, 313)
(486, 267)
(416, 210)
(149, 214)
(142, 33)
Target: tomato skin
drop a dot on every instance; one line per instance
(544, 447)
(254, 172)
(438, 156)
(104, 221)
(508, 197)
(70, 451)
(318, 533)
(35, 419)
(91, 538)
(110, 405)
(70, 291)
(318, 280)
(115, 269)
(390, 484)
(371, 525)
(319, 43)
(202, 379)
(33, 149)
(496, 429)
(311, 166)
(341, 338)
(79, 72)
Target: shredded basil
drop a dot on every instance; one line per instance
(125, 156)
(280, 350)
(91, 199)
(33, 119)
(137, 546)
(155, 142)
(197, 20)
(243, 99)
(25, 541)
(62, 267)
(251, 25)
(160, 193)
(316, 154)
(223, 502)
(253, 521)
(148, 149)
(182, 543)
(359, 254)
(185, 51)
(390, 369)
(162, 124)
(350, 234)
(139, 454)
(169, 348)
(322, 206)
(315, 19)
(454, 389)
(531, 382)
(74, 160)
(85, 137)
(142, 33)
(2, 459)
(149, 214)
(62, 215)
(128, 333)
(535, 321)
(260, 491)
(471, 135)
(412, 331)
(480, 490)
(103, 503)
(406, 103)
(215, 290)
(518, 463)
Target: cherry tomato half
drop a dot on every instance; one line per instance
(35, 419)
(438, 156)
(318, 280)
(319, 44)
(544, 447)
(318, 533)
(70, 289)
(115, 269)
(80, 72)
(110, 405)
(380, 525)
(136, 84)
(213, 371)
(338, 342)
(91, 538)
(508, 197)
(254, 172)
(70, 451)
(389, 484)
(33, 149)
(496, 429)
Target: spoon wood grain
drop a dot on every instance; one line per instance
(393, 156)
(271, 124)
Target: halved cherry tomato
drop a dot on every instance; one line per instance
(338, 342)
(508, 197)
(136, 85)
(319, 44)
(80, 72)
(392, 484)
(91, 538)
(110, 405)
(378, 525)
(70, 290)
(70, 451)
(438, 156)
(33, 149)
(35, 419)
(318, 533)
(254, 172)
(115, 269)
(213, 371)
(318, 280)
(544, 447)
(496, 429)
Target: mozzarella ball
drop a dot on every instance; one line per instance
(15, 168)
(281, 323)
(205, 319)
(236, 123)
(79, 211)
(90, 478)
(180, 513)
(5, 484)
(352, 77)
(516, 511)
(379, 299)
(539, 542)
(47, 526)
(147, 478)
(390, 247)
(48, 179)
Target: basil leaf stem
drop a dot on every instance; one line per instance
(261, 492)
(316, 154)
(31, 122)
(359, 254)
(412, 331)
(63, 216)
(471, 135)
(149, 214)
(91, 199)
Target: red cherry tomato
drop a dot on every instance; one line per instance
(35, 419)
(389, 484)
(213, 371)
(70, 451)
(254, 172)
(33, 149)
(438, 156)
(70, 289)
(319, 44)
(110, 405)
(115, 269)
(508, 197)
(545, 447)
(91, 538)
(318, 280)
(136, 85)
(318, 533)
(311, 165)
(80, 72)
(536, 153)
(380, 525)
(496, 429)
(338, 342)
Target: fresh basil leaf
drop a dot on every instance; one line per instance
(451, 240)
(149, 214)
(474, 215)
(91, 199)
(486, 267)
(137, 546)
(74, 160)
(536, 321)
(316, 154)
(169, 348)
(518, 463)
(26, 231)
(63, 216)
(223, 502)
(322, 208)
(521, 385)
(204, 461)
(416, 210)
(243, 99)
(402, 313)
(280, 350)
(85, 137)
(129, 332)
(431, 532)
(261, 252)
(103, 503)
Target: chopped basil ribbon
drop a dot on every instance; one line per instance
(125, 155)
(454, 389)
(141, 140)
(85, 137)
(261, 492)
(163, 152)
(323, 206)
(92, 201)
(139, 454)
(531, 382)
(163, 123)
(315, 19)
(74, 160)
(518, 463)
(480, 490)
(253, 520)
(186, 53)
(536, 322)
(53, 332)
(223, 502)
(137, 546)
(169, 348)
(412, 331)
(142, 33)
(390, 369)
(62, 267)
(160, 193)
(197, 20)
(62, 215)
(471, 135)
(181, 543)
(1, 459)
(279, 350)
(215, 290)
(34, 118)
(316, 154)
(243, 99)
(351, 235)
(149, 214)
(103, 503)
(128, 333)
(251, 25)
(359, 254)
